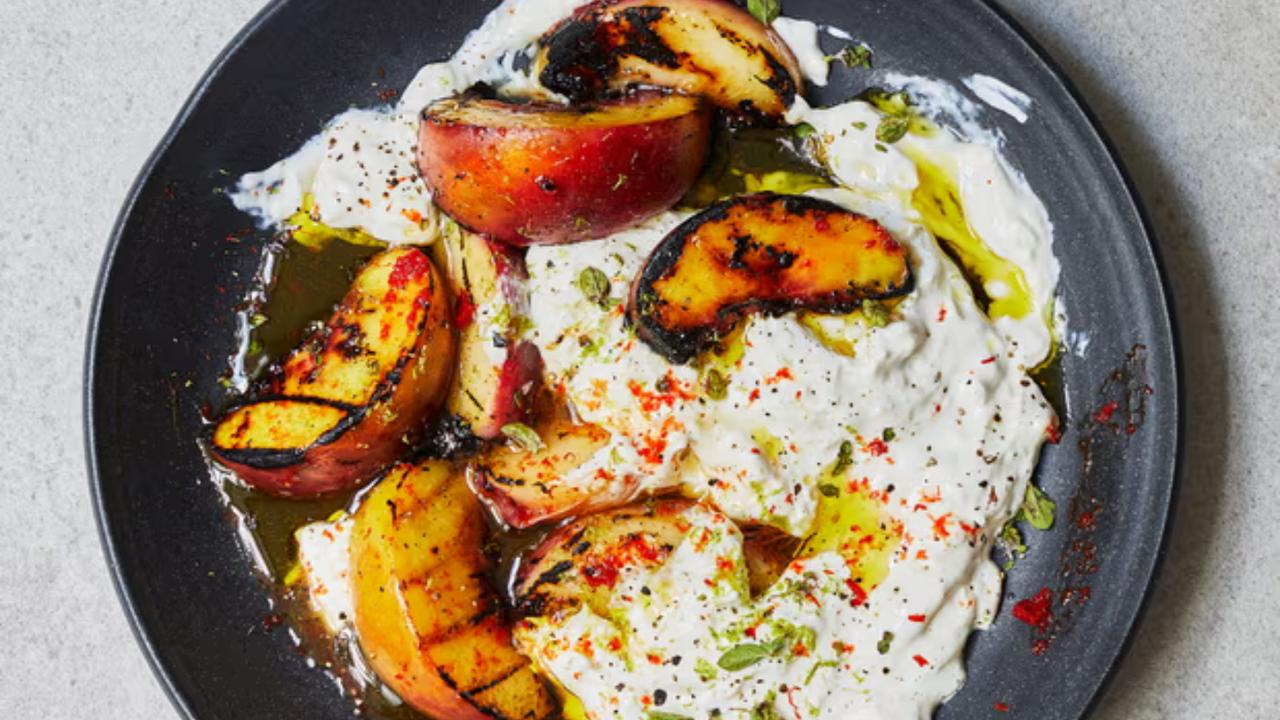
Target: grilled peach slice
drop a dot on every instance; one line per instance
(524, 488)
(543, 173)
(354, 397)
(710, 48)
(762, 253)
(427, 620)
(581, 563)
(498, 373)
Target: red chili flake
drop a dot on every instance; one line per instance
(410, 266)
(1002, 707)
(422, 302)
(1087, 521)
(877, 447)
(783, 374)
(654, 659)
(821, 225)
(920, 660)
(1103, 416)
(755, 395)
(271, 622)
(654, 401)
(989, 360)
(388, 94)
(1036, 611)
(1053, 433)
(1040, 647)
(942, 315)
(916, 618)
(750, 632)
(464, 311)
(940, 526)
(859, 595)
(615, 645)
(600, 575)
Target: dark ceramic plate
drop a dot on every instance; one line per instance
(162, 332)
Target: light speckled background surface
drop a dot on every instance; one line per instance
(1189, 91)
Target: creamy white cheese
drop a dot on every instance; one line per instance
(1000, 95)
(802, 37)
(324, 550)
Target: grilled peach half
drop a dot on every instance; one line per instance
(524, 488)
(542, 173)
(355, 396)
(710, 48)
(580, 563)
(427, 619)
(762, 253)
(498, 373)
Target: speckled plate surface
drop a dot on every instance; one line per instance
(162, 330)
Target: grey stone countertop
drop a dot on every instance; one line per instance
(1189, 91)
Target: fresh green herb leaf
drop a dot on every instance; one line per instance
(829, 490)
(896, 104)
(766, 11)
(892, 128)
(777, 644)
(860, 125)
(524, 436)
(844, 460)
(889, 435)
(706, 671)
(875, 313)
(885, 642)
(257, 320)
(594, 285)
(1011, 539)
(766, 709)
(856, 56)
(1038, 509)
(804, 131)
(622, 180)
(659, 715)
(818, 666)
(717, 385)
(741, 657)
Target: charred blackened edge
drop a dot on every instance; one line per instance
(681, 346)
(583, 53)
(279, 458)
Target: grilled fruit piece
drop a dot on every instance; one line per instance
(427, 620)
(355, 396)
(543, 173)
(498, 373)
(524, 488)
(761, 253)
(710, 48)
(581, 562)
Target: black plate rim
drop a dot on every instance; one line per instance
(1166, 291)
(124, 593)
